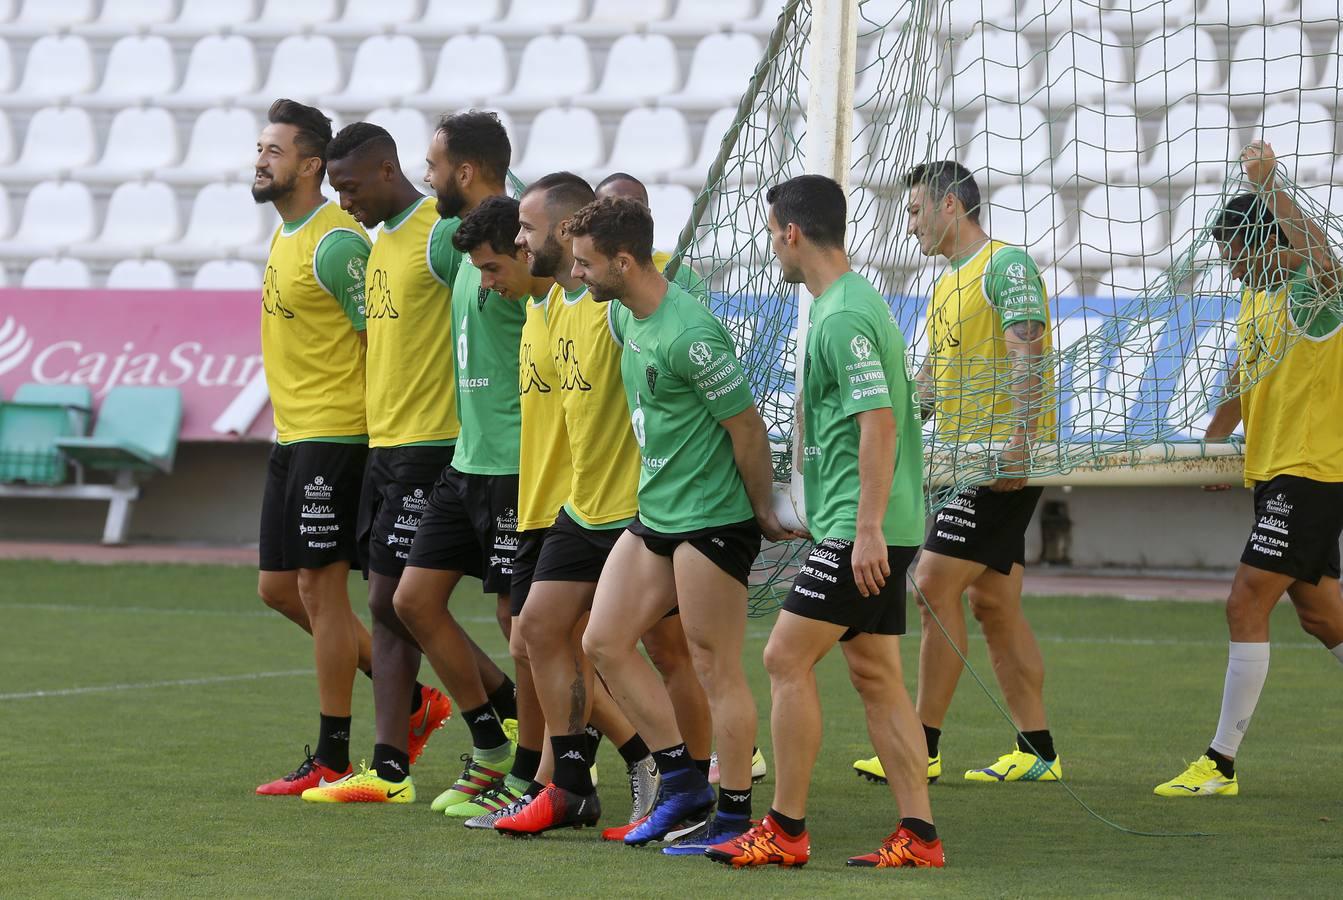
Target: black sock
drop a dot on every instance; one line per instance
(333, 742)
(486, 732)
(932, 736)
(1225, 764)
(791, 827)
(416, 698)
(734, 803)
(390, 763)
(633, 750)
(572, 763)
(924, 831)
(1040, 741)
(504, 699)
(703, 766)
(525, 763)
(594, 741)
(534, 788)
(673, 759)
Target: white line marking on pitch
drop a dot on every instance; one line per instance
(146, 685)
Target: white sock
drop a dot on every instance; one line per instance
(1338, 652)
(1246, 671)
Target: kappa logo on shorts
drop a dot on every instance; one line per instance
(717, 542)
(317, 489)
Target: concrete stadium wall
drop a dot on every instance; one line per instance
(214, 497)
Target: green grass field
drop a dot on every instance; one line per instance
(143, 785)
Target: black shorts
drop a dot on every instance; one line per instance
(1297, 524)
(310, 505)
(524, 564)
(985, 526)
(825, 590)
(397, 483)
(732, 548)
(574, 552)
(471, 526)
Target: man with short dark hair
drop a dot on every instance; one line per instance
(312, 338)
(413, 428)
(705, 496)
(863, 477)
(1287, 387)
(986, 379)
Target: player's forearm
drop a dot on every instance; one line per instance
(1302, 232)
(876, 466)
(750, 448)
(1026, 351)
(1227, 415)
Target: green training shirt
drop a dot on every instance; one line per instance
(856, 362)
(487, 333)
(682, 379)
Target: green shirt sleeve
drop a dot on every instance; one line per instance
(338, 263)
(851, 348)
(689, 279)
(615, 314)
(704, 359)
(444, 259)
(1013, 285)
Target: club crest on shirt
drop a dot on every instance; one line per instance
(481, 296)
(651, 373)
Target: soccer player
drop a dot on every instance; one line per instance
(666, 644)
(412, 423)
(568, 350)
(312, 341)
(470, 523)
(704, 500)
(986, 378)
(863, 468)
(1288, 389)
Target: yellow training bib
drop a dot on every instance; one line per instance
(543, 460)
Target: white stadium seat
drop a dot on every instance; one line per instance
(1100, 145)
(6, 220)
(411, 130)
(639, 69)
(1239, 12)
(696, 17)
(217, 148)
(223, 217)
(140, 142)
(1176, 65)
(6, 139)
(1144, 16)
(55, 273)
(59, 139)
(303, 68)
(869, 13)
(1009, 140)
(527, 18)
(1302, 135)
(961, 16)
(447, 18)
(651, 141)
(4, 277)
(720, 70)
(671, 205)
(717, 126)
(613, 18)
(118, 17)
(1056, 17)
(552, 68)
(1198, 142)
(1080, 67)
(1118, 225)
(141, 275)
(43, 17)
(6, 66)
(1127, 282)
(386, 68)
(56, 215)
(361, 18)
(471, 69)
(58, 67)
(198, 18)
(1321, 12)
(286, 17)
(227, 275)
(1027, 215)
(568, 138)
(1059, 282)
(1190, 218)
(1269, 64)
(141, 215)
(994, 64)
(139, 69)
(220, 69)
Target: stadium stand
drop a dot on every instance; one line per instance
(96, 94)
